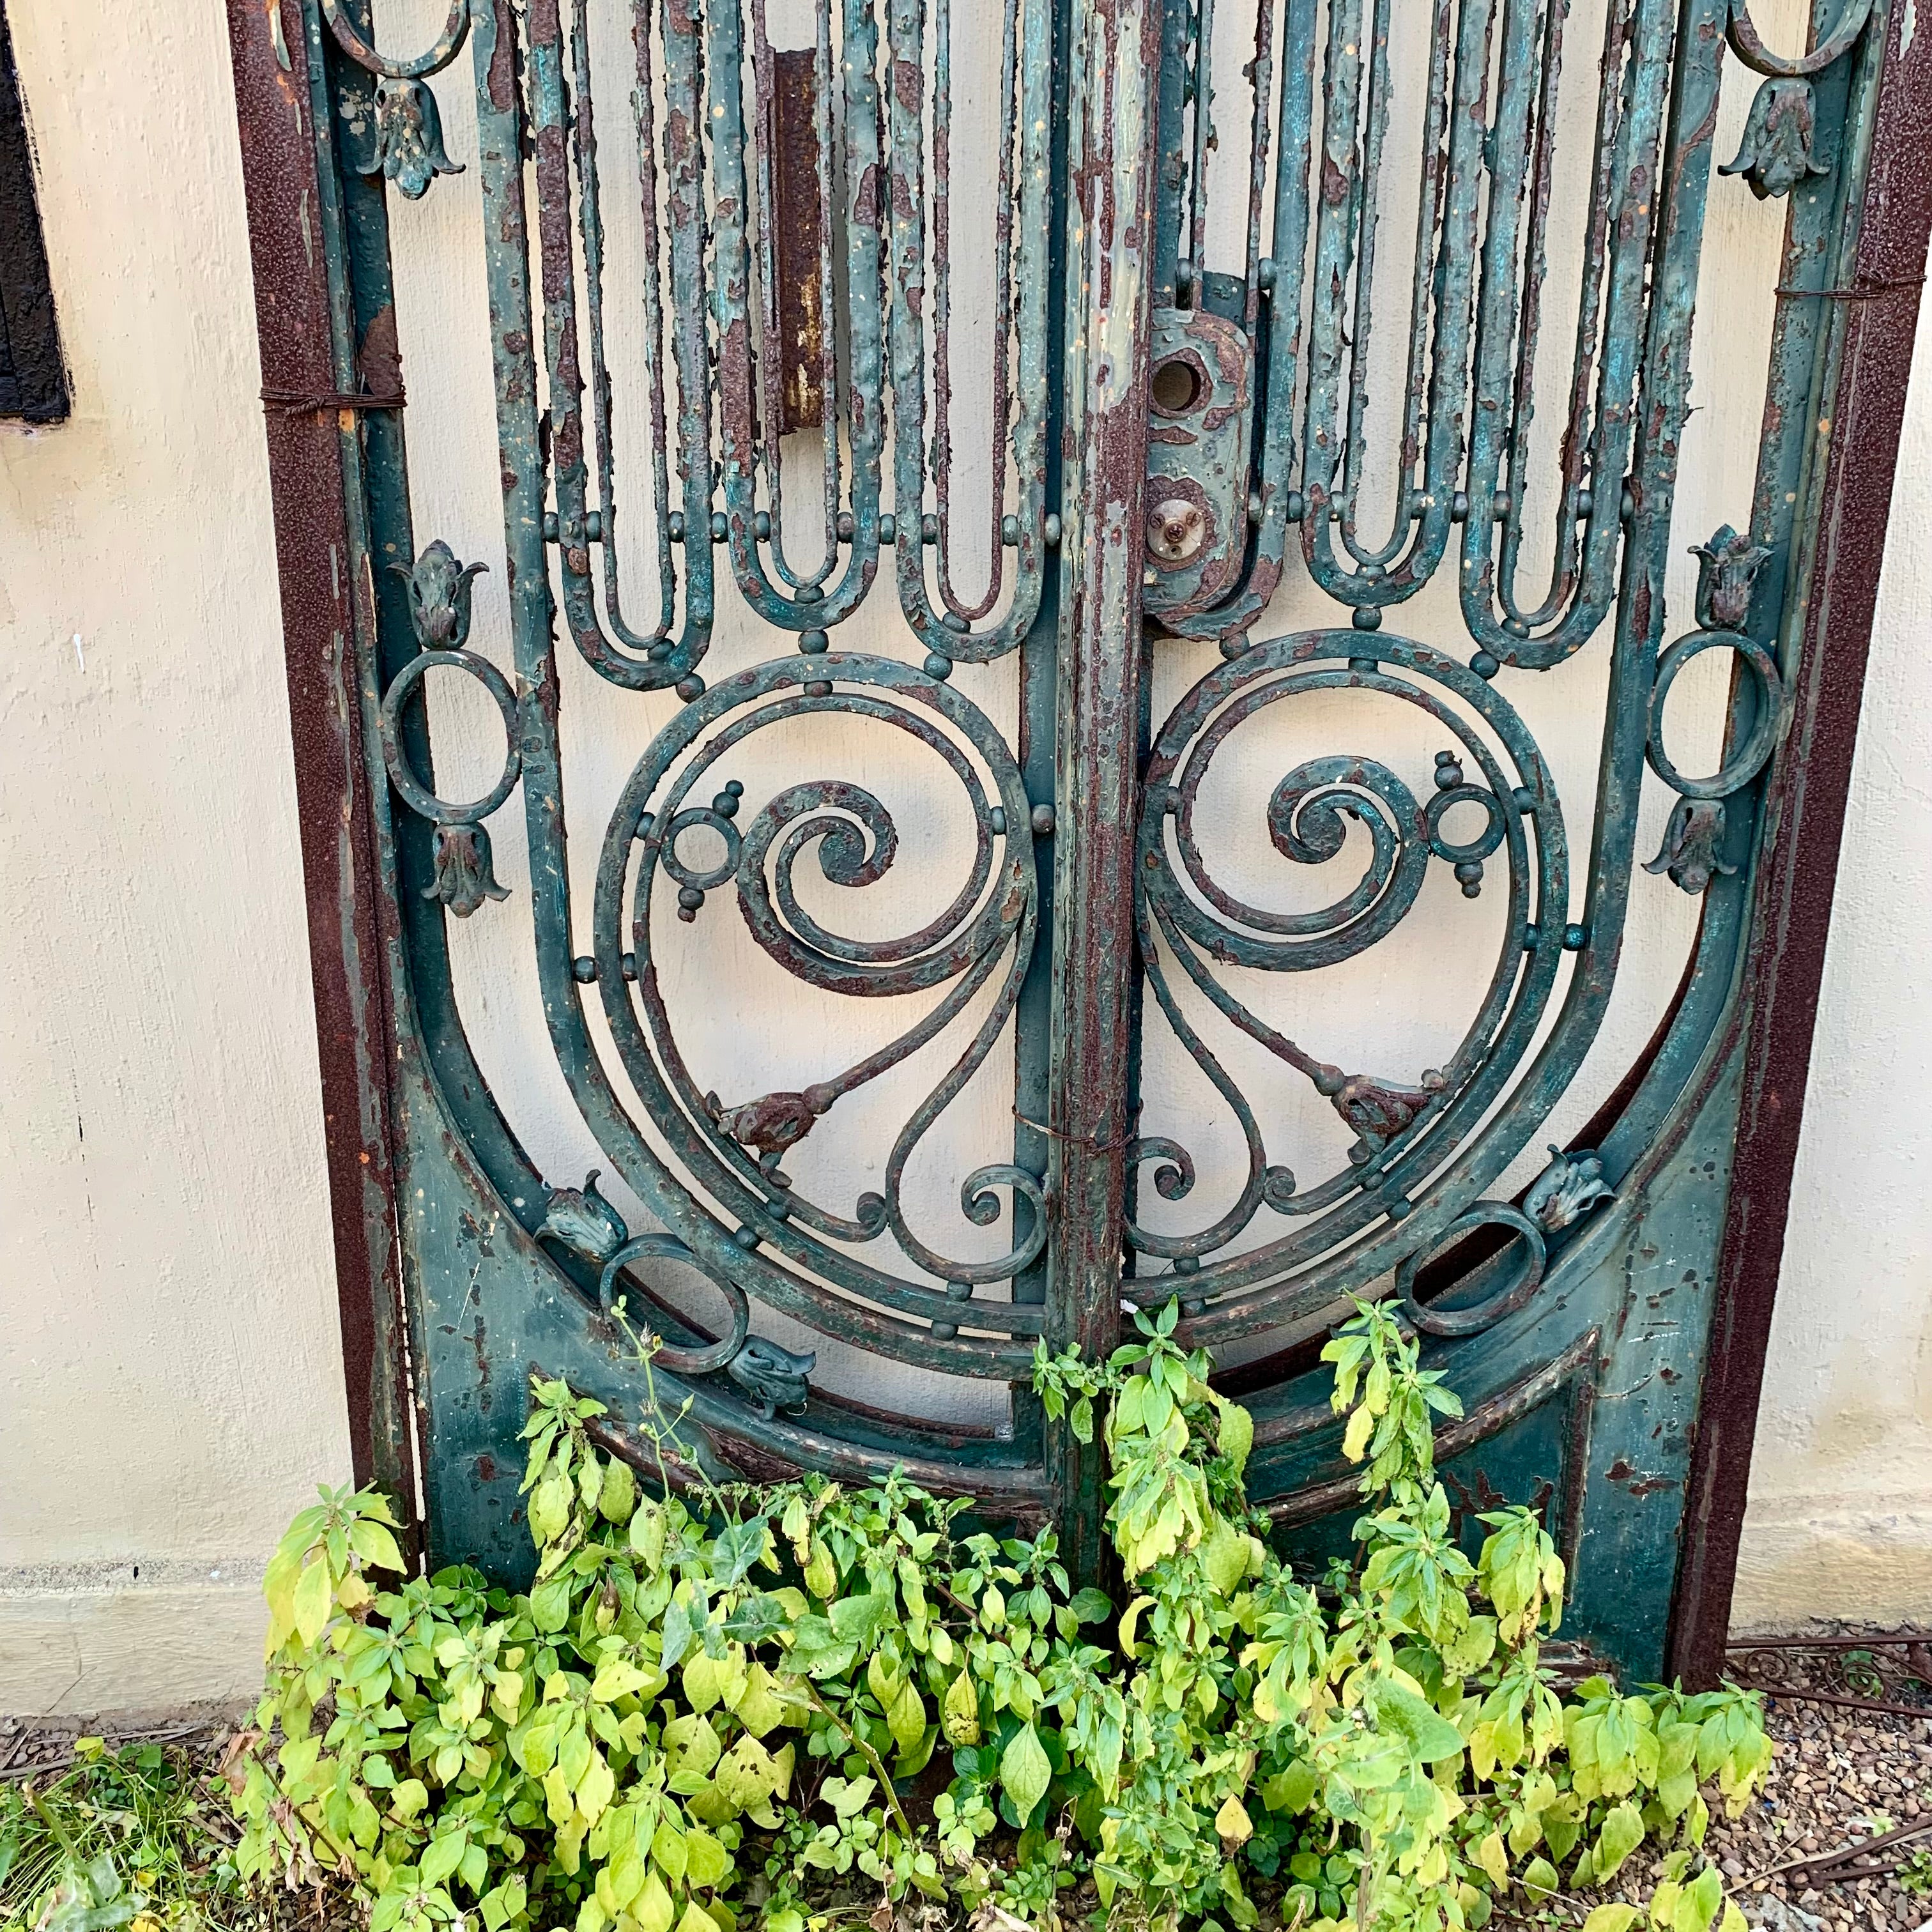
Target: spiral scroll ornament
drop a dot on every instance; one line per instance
(1189, 921)
(968, 959)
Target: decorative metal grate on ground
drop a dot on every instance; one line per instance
(1173, 449)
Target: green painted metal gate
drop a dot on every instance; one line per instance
(1178, 453)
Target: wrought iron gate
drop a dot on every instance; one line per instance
(1176, 453)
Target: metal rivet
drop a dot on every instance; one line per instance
(761, 526)
(1523, 799)
(954, 622)
(1264, 273)
(689, 686)
(1297, 506)
(630, 965)
(889, 528)
(813, 643)
(583, 969)
(549, 527)
(720, 529)
(810, 593)
(944, 1331)
(674, 527)
(846, 527)
(928, 528)
(1500, 508)
(593, 527)
(1484, 664)
(1009, 531)
(1396, 1207)
(1367, 618)
(1586, 502)
(1627, 508)
(1575, 937)
(1362, 666)
(938, 665)
(747, 1238)
(996, 820)
(1050, 530)
(1254, 507)
(1532, 937)
(1043, 821)
(818, 687)
(1459, 508)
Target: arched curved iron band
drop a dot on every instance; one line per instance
(829, 1308)
(1449, 1322)
(413, 792)
(680, 1361)
(552, 132)
(907, 264)
(1756, 56)
(728, 1426)
(730, 289)
(1246, 1293)
(447, 46)
(1490, 1053)
(1745, 763)
(969, 960)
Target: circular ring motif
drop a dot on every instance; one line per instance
(1748, 760)
(680, 1361)
(1448, 1322)
(414, 793)
(1485, 842)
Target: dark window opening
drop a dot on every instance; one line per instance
(33, 381)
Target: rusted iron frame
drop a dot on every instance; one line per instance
(1810, 792)
(1112, 153)
(325, 609)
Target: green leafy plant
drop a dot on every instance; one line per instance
(710, 1704)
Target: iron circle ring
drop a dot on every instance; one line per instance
(699, 1361)
(414, 794)
(1485, 842)
(1748, 761)
(1450, 1322)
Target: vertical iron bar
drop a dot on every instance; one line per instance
(1111, 152)
(283, 153)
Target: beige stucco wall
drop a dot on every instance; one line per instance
(169, 1381)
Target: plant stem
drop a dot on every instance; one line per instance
(871, 1757)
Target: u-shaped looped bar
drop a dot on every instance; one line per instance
(448, 45)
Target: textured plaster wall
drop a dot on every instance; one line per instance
(170, 1384)
(1841, 1517)
(170, 1379)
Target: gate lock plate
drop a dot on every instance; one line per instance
(1200, 395)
